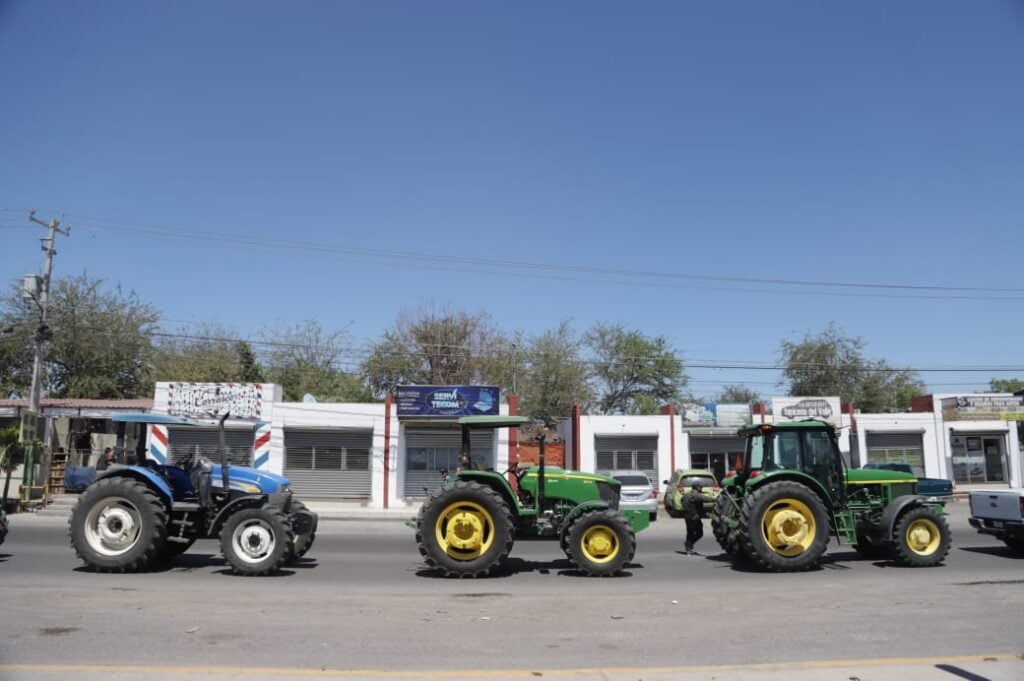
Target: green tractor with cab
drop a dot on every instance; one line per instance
(793, 491)
(468, 528)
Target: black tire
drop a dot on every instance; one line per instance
(302, 542)
(671, 510)
(600, 543)
(1015, 544)
(654, 516)
(257, 541)
(3, 525)
(870, 548)
(118, 525)
(465, 530)
(784, 527)
(921, 539)
(727, 540)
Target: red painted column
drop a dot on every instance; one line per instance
(388, 400)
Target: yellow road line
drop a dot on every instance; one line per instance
(492, 673)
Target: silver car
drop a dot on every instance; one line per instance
(637, 492)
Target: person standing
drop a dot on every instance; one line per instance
(693, 514)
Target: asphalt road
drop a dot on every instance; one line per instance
(362, 604)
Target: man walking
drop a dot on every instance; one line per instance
(693, 511)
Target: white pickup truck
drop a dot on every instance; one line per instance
(1000, 513)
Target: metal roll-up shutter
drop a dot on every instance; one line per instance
(185, 441)
(329, 463)
(902, 447)
(429, 450)
(628, 453)
(716, 444)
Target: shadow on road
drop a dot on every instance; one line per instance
(198, 561)
(830, 561)
(1001, 551)
(514, 566)
(4, 557)
(961, 673)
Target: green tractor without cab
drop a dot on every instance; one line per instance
(793, 491)
(468, 528)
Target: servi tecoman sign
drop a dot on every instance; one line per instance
(800, 408)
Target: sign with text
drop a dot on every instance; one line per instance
(983, 408)
(441, 401)
(205, 400)
(800, 408)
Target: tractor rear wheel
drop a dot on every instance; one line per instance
(726, 539)
(465, 530)
(784, 527)
(600, 543)
(302, 541)
(922, 538)
(257, 541)
(118, 525)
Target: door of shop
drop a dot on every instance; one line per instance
(896, 447)
(428, 451)
(978, 457)
(329, 464)
(186, 441)
(718, 454)
(628, 454)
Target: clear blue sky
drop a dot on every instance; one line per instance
(871, 142)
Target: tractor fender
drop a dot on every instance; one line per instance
(495, 481)
(577, 511)
(144, 475)
(892, 513)
(234, 506)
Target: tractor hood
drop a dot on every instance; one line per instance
(866, 476)
(251, 480)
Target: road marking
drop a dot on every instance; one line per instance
(504, 673)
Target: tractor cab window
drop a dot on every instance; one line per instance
(755, 452)
(786, 450)
(820, 458)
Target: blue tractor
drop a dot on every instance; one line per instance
(132, 517)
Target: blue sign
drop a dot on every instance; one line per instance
(447, 401)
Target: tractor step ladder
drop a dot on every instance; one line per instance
(845, 529)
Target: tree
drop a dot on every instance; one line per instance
(208, 354)
(738, 394)
(304, 359)
(629, 367)
(101, 343)
(1006, 385)
(12, 455)
(833, 364)
(555, 377)
(446, 347)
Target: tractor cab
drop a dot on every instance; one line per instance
(805, 448)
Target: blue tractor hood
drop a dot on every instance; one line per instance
(242, 478)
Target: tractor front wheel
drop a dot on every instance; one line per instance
(465, 530)
(118, 525)
(922, 538)
(257, 541)
(784, 527)
(303, 542)
(600, 543)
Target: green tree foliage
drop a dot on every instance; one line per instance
(1006, 385)
(632, 371)
(439, 347)
(12, 455)
(249, 370)
(739, 394)
(831, 363)
(206, 354)
(554, 376)
(101, 343)
(305, 359)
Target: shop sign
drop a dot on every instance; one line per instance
(715, 414)
(447, 401)
(799, 408)
(983, 408)
(199, 400)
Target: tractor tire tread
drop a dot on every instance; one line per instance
(750, 534)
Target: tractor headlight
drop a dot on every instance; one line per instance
(287, 489)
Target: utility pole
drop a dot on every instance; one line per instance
(43, 332)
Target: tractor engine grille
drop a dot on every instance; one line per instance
(609, 495)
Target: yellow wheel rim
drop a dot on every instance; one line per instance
(465, 530)
(599, 544)
(923, 537)
(788, 527)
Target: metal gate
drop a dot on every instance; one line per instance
(429, 450)
(900, 447)
(329, 463)
(185, 441)
(638, 453)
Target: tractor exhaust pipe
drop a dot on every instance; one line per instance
(540, 471)
(225, 457)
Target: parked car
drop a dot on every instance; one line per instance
(939, 489)
(682, 481)
(1000, 513)
(637, 492)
